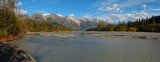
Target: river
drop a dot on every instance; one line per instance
(91, 46)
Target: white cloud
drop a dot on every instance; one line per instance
(106, 18)
(111, 18)
(123, 3)
(134, 2)
(117, 10)
(87, 16)
(144, 6)
(121, 10)
(113, 10)
(114, 7)
(142, 14)
(44, 13)
(139, 15)
(21, 11)
(72, 15)
(60, 15)
(19, 4)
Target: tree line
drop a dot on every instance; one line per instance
(141, 25)
(12, 25)
(42, 26)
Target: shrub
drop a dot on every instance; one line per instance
(3, 33)
(10, 22)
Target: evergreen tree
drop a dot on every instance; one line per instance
(10, 24)
(143, 25)
(101, 25)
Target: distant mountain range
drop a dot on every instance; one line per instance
(70, 21)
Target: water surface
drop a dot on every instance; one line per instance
(83, 47)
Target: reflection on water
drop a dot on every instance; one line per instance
(83, 48)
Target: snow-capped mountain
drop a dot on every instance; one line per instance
(74, 20)
(70, 21)
(37, 16)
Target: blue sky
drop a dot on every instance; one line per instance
(108, 10)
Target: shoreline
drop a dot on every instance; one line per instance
(11, 53)
(11, 37)
(134, 35)
(8, 38)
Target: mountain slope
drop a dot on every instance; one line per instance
(75, 23)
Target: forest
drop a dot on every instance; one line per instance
(42, 26)
(12, 25)
(140, 25)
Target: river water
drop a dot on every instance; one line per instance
(86, 47)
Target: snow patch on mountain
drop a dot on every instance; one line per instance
(74, 20)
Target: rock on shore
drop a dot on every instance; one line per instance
(11, 53)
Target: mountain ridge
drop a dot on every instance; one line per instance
(69, 21)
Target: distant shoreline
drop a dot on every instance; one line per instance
(136, 35)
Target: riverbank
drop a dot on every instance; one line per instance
(8, 38)
(135, 35)
(11, 53)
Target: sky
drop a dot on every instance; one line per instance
(108, 10)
